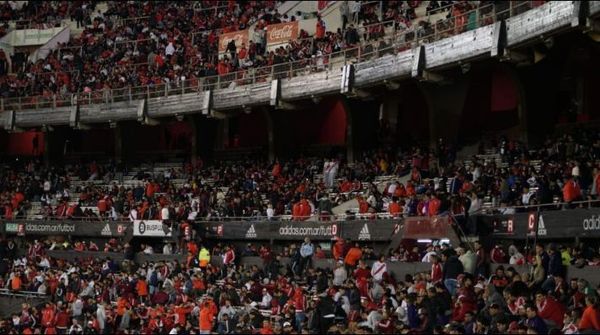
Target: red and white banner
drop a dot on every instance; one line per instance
(282, 32)
(240, 37)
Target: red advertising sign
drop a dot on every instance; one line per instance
(426, 227)
(240, 37)
(282, 32)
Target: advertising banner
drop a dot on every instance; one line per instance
(551, 224)
(75, 228)
(379, 230)
(426, 227)
(240, 37)
(151, 228)
(282, 32)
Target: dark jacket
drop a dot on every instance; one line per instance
(452, 268)
(555, 267)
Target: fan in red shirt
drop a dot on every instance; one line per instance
(338, 248)
(394, 208)
(48, 316)
(434, 205)
(62, 320)
(362, 271)
(550, 309)
(436, 269)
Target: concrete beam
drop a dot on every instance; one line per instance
(431, 77)
(347, 82)
(74, 119)
(275, 94)
(207, 102)
(391, 85)
(515, 56)
(10, 124)
(142, 114)
(581, 10)
(359, 94)
(217, 115)
(275, 97)
(499, 39)
(418, 65)
(284, 105)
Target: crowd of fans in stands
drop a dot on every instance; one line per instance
(154, 43)
(566, 171)
(287, 294)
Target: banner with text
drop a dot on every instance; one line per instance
(240, 37)
(583, 223)
(282, 32)
(75, 228)
(381, 230)
(151, 228)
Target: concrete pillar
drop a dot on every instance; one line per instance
(445, 104)
(521, 103)
(47, 148)
(194, 139)
(222, 134)
(349, 135)
(270, 133)
(388, 112)
(118, 143)
(580, 95)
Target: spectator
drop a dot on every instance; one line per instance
(590, 320)
(306, 253)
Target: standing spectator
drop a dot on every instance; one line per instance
(229, 257)
(468, 259)
(344, 13)
(206, 318)
(355, 11)
(482, 265)
(306, 252)
(379, 269)
(451, 270)
(339, 274)
(232, 49)
(353, 255)
(436, 269)
(555, 268)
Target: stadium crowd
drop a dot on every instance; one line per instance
(458, 296)
(567, 170)
(135, 44)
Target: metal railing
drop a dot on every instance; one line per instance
(317, 217)
(395, 42)
(25, 294)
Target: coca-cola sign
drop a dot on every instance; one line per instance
(282, 32)
(240, 37)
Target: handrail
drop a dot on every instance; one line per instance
(25, 294)
(326, 217)
(400, 40)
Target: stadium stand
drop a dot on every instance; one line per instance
(125, 47)
(499, 240)
(509, 176)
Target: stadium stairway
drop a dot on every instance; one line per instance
(101, 7)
